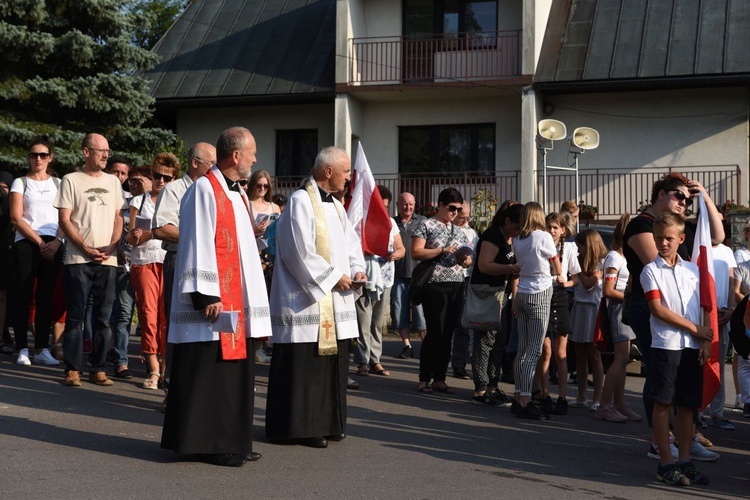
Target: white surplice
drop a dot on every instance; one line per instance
(196, 268)
(301, 277)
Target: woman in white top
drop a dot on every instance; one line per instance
(538, 262)
(36, 255)
(262, 209)
(616, 276)
(147, 266)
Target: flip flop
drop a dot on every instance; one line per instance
(443, 388)
(425, 389)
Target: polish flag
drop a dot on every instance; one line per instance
(365, 209)
(703, 257)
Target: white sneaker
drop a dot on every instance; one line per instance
(45, 358)
(700, 453)
(261, 356)
(23, 357)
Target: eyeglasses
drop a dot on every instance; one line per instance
(261, 186)
(105, 152)
(454, 208)
(158, 176)
(207, 162)
(680, 196)
(41, 156)
(242, 182)
(135, 180)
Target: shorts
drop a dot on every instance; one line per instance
(676, 377)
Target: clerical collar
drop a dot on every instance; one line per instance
(325, 196)
(232, 185)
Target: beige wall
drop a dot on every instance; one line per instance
(206, 124)
(379, 122)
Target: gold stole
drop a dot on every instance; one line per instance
(327, 331)
(233, 344)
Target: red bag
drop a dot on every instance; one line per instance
(603, 329)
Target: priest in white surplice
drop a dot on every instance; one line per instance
(210, 403)
(318, 271)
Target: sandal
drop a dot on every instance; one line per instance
(443, 388)
(382, 371)
(424, 389)
(363, 370)
(151, 384)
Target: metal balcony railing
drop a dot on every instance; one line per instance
(445, 57)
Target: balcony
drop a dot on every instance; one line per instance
(455, 57)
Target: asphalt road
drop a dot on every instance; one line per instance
(94, 442)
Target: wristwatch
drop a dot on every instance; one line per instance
(60, 239)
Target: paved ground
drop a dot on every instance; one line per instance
(98, 443)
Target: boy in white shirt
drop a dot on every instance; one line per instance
(680, 346)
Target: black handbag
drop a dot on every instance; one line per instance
(421, 275)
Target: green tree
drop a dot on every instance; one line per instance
(155, 18)
(69, 67)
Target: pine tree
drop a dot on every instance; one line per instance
(69, 67)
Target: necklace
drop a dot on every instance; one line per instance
(43, 189)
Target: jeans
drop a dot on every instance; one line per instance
(400, 307)
(639, 317)
(80, 282)
(122, 316)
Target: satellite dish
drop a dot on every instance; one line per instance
(552, 130)
(585, 138)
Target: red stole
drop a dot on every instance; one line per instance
(233, 345)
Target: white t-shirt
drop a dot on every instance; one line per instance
(532, 255)
(677, 288)
(724, 264)
(569, 261)
(617, 261)
(94, 202)
(149, 252)
(38, 209)
(742, 255)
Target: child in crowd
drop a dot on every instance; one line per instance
(538, 262)
(615, 281)
(558, 327)
(679, 346)
(588, 294)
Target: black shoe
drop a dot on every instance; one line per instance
(406, 353)
(336, 437)
(502, 399)
(123, 374)
(316, 442)
(561, 407)
(546, 406)
(485, 400)
(530, 412)
(224, 460)
(514, 406)
(690, 472)
(253, 457)
(460, 373)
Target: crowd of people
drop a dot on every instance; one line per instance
(190, 254)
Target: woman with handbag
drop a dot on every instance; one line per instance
(494, 270)
(442, 298)
(616, 276)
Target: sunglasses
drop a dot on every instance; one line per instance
(42, 156)
(261, 186)
(158, 176)
(242, 182)
(680, 196)
(454, 208)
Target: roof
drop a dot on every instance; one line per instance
(645, 43)
(243, 48)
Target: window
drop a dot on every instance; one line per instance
(295, 152)
(449, 17)
(448, 149)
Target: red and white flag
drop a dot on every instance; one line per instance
(703, 257)
(365, 209)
